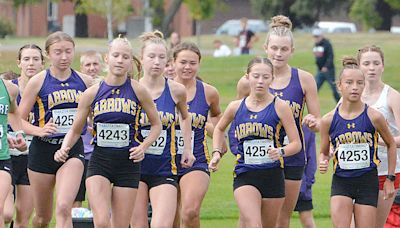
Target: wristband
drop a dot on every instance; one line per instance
(391, 177)
(217, 151)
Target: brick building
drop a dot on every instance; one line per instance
(46, 16)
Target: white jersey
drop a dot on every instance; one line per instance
(382, 106)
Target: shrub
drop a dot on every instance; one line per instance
(6, 27)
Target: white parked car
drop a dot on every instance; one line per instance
(336, 27)
(232, 27)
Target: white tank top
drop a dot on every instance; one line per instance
(382, 106)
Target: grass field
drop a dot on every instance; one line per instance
(219, 208)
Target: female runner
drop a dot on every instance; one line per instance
(259, 121)
(352, 130)
(159, 169)
(115, 103)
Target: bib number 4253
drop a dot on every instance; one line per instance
(354, 156)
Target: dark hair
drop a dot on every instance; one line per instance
(258, 59)
(189, 46)
(349, 62)
(9, 75)
(30, 46)
(370, 48)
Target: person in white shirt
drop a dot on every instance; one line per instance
(221, 50)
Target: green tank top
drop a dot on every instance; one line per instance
(4, 108)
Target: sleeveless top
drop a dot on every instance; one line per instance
(198, 111)
(116, 116)
(256, 133)
(160, 156)
(355, 143)
(58, 100)
(31, 118)
(4, 109)
(382, 106)
(294, 96)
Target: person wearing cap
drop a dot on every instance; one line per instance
(323, 52)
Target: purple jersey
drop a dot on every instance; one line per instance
(294, 96)
(354, 143)
(256, 133)
(116, 112)
(58, 100)
(160, 156)
(198, 110)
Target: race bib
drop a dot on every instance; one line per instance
(179, 140)
(256, 151)
(64, 118)
(354, 156)
(112, 135)
(157, 148)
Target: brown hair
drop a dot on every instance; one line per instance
(57, 37)
(280, 26)
(155, 37)
(9, 75)
(349, 62)
(135, 60)
(370, 48)
(186, 46)
(30, 46)
(262, 60)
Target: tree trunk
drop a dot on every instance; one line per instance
(198, 32)
(109, 20)
(386, 13)
(172, 10)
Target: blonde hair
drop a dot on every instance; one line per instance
(57, 37)
(135, 60)
(280, 26)
(91, 53)
(155, 37)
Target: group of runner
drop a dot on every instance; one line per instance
(130, 138)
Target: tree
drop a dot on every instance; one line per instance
(301, 12)
(169, 16)
(201, 10)
(113, 10)
(18, 3)
(374, 13)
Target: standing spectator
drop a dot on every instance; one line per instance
(246, 38)
(174, 40)
(304, 203)
(323, 52)
(221, 49)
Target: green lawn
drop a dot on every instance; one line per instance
(219, 208)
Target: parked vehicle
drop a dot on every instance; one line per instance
(336, 27)
(232, 27)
